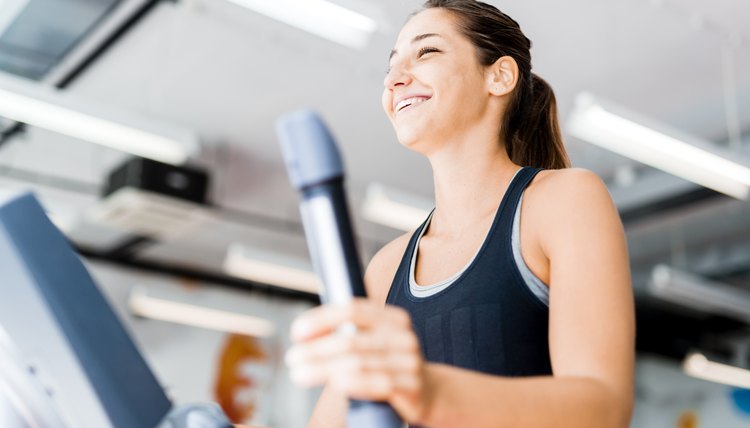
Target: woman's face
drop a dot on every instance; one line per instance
(435, 87)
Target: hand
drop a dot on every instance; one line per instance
(381, 361)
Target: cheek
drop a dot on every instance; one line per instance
(385, 101)
(465, 92)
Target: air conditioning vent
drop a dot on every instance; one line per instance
(148, 214)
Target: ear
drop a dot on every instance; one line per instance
(502, 76)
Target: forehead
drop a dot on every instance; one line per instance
(434, 20)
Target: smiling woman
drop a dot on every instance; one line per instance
(477, 318)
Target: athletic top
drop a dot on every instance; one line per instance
(487, 319)
(536, 285)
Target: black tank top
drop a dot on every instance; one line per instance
(488, 320)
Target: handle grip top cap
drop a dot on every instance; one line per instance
(303, 135)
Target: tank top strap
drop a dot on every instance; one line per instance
(507, 210)
(402, 272)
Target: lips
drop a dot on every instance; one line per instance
(409, 101)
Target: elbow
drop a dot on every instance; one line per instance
(599, 404)
(615, 408)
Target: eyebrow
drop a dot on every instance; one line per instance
(415, 40)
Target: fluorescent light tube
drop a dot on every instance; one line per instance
(696, 292)
(320, 17)
(659, 146)
(271, 268)
(142, 304)
(394, 208)
(56, 111)
(698, 366)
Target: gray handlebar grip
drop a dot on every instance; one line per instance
(310, 152)
(316, 171)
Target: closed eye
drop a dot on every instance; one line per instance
(423, 51)
(426, 50)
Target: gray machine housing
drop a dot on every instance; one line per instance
(65, 359)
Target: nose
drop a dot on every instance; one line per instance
(397, 76)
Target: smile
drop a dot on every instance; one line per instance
(410, 102)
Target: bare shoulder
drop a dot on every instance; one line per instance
(554, 184)
(564, 200)
(566, 191)
(382, 267)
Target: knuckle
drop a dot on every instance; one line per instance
(400, 316)
(410, 342)
(413, 364)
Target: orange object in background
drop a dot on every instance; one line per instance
(231, 379)
(688, 419)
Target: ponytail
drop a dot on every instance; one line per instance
(530, 129)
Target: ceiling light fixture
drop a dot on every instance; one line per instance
(145, 305)
(654, 144)
(698, 366)
(320, 17)
(47, 108)
(394, 208)
(271, 268)
(699, 293)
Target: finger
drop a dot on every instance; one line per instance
(353, 363)
(308, 375)
(337, 345)
(367, 386)
(381, 341)
(374, 378)
(374, 385)
(403, 340)
(348, 366)
(398, 316)
(324, 319)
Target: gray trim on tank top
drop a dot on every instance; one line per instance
(536, 285)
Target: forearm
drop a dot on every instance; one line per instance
(330, 411)
(460, 397)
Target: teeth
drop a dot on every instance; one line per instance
(410, 101)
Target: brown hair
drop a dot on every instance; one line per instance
(530, 127)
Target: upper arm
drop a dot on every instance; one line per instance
(382, 268)
(592, 325)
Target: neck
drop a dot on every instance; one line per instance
(471, 174)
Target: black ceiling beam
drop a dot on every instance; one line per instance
(200, 275)
(672, 332)
(14, 129)
(669, 204)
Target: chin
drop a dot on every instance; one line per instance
(414, 133)
(406, 135)
(412, 140)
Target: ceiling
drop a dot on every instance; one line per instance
(228, 73)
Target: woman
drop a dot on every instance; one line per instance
(498, 321)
